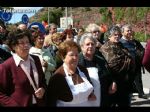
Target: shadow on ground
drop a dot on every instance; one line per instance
(140, 102)
(145, 102)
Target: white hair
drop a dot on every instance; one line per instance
(85, 36)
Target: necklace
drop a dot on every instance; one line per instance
(75, 77)
(71, 72)
(74, 74)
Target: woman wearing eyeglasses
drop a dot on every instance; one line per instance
(120, 64)
(22, 81)
(95, 30)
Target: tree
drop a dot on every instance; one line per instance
(54, 16)
(107, 16)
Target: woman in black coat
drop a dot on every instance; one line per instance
(100, 76)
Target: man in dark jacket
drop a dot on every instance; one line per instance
(136, 52)
(138, 70)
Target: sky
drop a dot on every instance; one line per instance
(19, 11)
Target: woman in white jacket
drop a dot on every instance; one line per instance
(47, 61)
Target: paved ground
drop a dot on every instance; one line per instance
(138, 102)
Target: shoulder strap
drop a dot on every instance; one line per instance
(29, 77)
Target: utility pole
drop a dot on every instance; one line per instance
(71, 15)
(71, 12)
(48, 15)
(66, 17)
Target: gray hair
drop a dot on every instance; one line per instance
(85, 36)
(126, 26)
(52, 24)
(112, 31)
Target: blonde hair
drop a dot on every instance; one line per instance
(92, 27)
(54, 37)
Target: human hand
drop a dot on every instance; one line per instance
(44, 63)
(113, 88)
(39, 93)
(98, 44)
(92, 97)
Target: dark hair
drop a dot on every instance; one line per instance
(17, 34)
(67, 32)
(5, 35)
(37, 33)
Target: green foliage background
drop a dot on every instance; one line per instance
(130, 15)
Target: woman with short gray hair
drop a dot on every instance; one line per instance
(85, 36)
(98, 72)
(119, 63)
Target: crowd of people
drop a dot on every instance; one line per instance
(93, 67)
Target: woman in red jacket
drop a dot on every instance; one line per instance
(22, 81)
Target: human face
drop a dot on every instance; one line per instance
(96, 33)
(80, 32)
(53, 29)
(88, 47)
(72, 57)
(39, 42)
(22, 27)
(127, 33)
(69, 37)
(22, 48)
(57, 40)
(115, 37)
